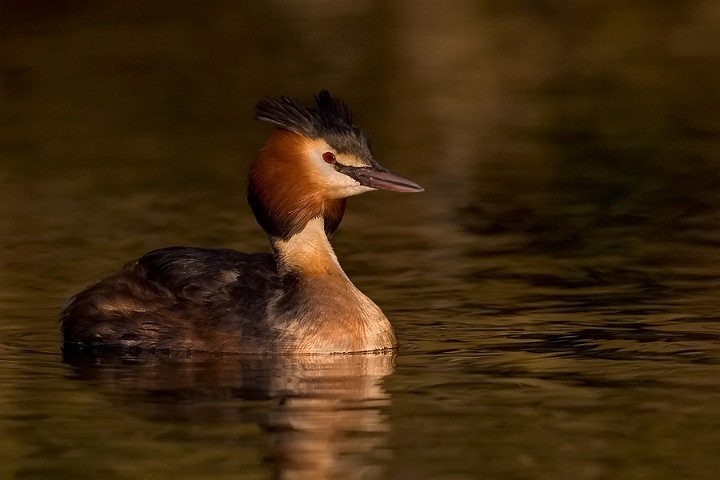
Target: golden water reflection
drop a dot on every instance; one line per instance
(323, 416)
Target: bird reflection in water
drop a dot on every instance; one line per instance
(325, 418)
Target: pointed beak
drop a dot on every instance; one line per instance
(382, 179)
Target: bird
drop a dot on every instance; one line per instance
(296, 299)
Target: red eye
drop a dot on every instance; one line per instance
(328, 157)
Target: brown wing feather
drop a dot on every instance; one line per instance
(173, 298)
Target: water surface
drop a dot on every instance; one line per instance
(554, 289)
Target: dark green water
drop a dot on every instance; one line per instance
(555, 289)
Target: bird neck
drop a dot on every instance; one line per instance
(321, 309)
(307, 253)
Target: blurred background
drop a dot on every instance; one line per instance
(554, 289)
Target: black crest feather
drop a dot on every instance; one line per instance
(330, 116)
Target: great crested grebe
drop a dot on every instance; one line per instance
(295, 300)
